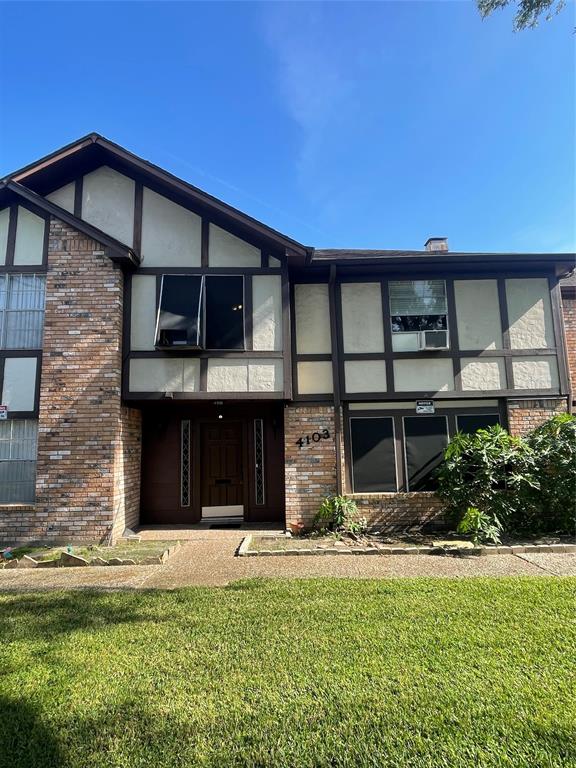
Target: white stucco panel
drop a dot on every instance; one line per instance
(64, 197)
(478, 314)
(227, 375)
(19, 383)
(30, 231)
(108, 203)
(191, 374)
(483, 373)
(171, 234)
(426, 375)
(365, 375)
(314, 377)
(227, 250)
(4, 221)
(529, 313)
(362, 322)
(535, 372)
(161, 374)
(267, 312)
(265, 375)
(143, 312)
(312, 319)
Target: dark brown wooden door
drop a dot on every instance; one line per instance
(221, 464)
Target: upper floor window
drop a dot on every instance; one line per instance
(201, 312)
(419, 315)
(21, 311)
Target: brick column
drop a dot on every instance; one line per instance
(569, 315)
(88, 443)
(310, 470)
(526, 415)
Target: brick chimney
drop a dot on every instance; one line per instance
(436, 244)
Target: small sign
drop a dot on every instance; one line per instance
(3, 412)
(425, 407)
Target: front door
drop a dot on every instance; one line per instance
(221, 467)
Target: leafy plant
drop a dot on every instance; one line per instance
(554, 448)
(339, 514)
(483, 528)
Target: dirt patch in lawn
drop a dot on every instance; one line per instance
(123, 553)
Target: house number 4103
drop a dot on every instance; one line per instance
(315, 437)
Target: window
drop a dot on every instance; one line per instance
(21, 311)
(373, 456)
(179, 321)
(416, 306)
(470, 423)
(201, 312)
(225, 312)
(425, 438)
(18, 445)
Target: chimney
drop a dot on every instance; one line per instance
(436, 244)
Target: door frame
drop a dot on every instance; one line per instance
(198, 466)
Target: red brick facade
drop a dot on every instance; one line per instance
(526, 415)
(569, 314)
(88, 466)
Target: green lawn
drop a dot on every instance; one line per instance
(293, 673)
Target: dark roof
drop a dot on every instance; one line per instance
(94, 150)
(117, 251)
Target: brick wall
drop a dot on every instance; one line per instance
(526, 415)
(569, 313)
(88, 443)
(310, 471)
(393, 511)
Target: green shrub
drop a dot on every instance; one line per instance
(339, 514)
(554, 448)
(493, 482)
(491, 471)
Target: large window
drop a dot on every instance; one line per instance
(201, 312)
(18, 445)
(425, 438)
(472, 422)
(418, 308)
(373, 455)
(21, 311)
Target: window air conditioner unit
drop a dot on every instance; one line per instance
(433, 340)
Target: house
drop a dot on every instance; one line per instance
(165, 358)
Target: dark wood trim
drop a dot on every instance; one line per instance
(208, 353)
(11, 243)
(387, 320)
(192, 397)
(138, 206)
(204, 247)
(313, 358)
(263, 259)
(78, 192)
(559, 334)
(205, 270)
(453, 341)
(476, 394)
(248, 314)
(502, 301)
(336, 343)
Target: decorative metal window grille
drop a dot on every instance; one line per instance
(259, 461)
(185, 464)
(21, 311)
(18, 446)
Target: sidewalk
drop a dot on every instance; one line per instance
(209, 559)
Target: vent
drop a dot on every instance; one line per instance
(433, 340)
(436, 244)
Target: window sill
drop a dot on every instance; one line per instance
(17, 507)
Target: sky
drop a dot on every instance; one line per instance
(342, 125)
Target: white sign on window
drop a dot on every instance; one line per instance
(424, 407)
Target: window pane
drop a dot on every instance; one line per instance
(417, 297)
(18, 446)
(407, 323)
(472, 422)
(225, 312)
(23, 329)
(425, 438)
(179, 314)
(17, 481)
(373, 458)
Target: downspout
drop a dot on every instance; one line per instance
(335, 377)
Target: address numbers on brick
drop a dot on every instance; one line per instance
(315, 437)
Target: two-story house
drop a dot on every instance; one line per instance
(165, 358)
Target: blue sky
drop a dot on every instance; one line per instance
(366, 125)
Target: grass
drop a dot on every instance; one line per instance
(292, 674)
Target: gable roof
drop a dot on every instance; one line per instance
(117, 251)
(94, 150)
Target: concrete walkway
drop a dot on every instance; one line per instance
(207, 557)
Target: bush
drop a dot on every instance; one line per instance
(339, 514)
(554, 448)
(492, 481)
